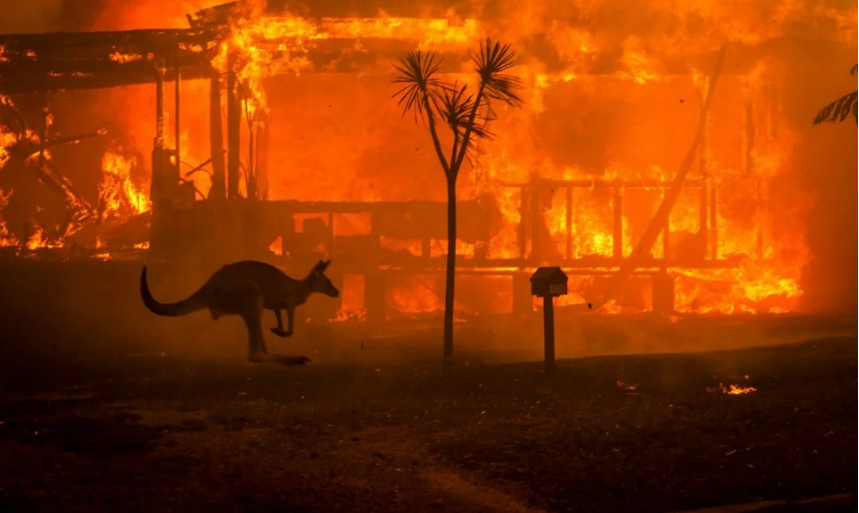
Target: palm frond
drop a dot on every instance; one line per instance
(417, 72)
(491, 62)
(838, 110)
(455, 105)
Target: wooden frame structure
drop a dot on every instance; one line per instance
(65, 61)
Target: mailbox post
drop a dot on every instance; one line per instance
(547, 283)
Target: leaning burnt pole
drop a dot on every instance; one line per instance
(216, 140)
(234, 118)
(157, 185)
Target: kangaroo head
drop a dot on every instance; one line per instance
(319, 282)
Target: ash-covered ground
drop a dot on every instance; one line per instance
(145, 432)
(105, 407)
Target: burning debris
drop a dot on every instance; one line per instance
(118, 196)
(736, 389)
(733, 389)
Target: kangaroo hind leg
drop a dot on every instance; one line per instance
(251, 310)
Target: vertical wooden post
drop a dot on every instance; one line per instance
(714, 220)
(234, 117)
(330, 235)
(484, 236)
(375, 284)
(549, 335)
(703, 171)
(761, 219)
(156, 185)
(750, 139)
(569, 221)
(524, 198)
(536, 218)
(523, 304)
(262, 156)
(216, 141)
(617, 227)
(702, 216)
(159, 106)
(666, 234)
(176, 108)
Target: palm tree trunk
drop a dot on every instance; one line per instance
(450, 272)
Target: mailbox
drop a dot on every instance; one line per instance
(549, 282)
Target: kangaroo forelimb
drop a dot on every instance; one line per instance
(279, 331)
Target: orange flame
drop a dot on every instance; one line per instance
(758, 240)
(118, 194)
(736, 389)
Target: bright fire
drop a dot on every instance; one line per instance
(736, 389)
(118, 195)
(609, 113)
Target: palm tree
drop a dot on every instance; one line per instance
(838, 110)
(467, 115)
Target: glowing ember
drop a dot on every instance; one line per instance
(123, 58)
(736, 389)
(626, 386)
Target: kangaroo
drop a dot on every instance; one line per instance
(246, 289)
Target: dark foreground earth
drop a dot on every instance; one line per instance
(607, 434)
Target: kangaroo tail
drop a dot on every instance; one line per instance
(192, 304)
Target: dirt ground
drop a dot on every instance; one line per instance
(146, 432)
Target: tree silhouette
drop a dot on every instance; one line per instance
(838, 110)
(467, 116)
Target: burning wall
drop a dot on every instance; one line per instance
(611, 98)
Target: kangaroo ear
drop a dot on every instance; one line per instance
(321, 266)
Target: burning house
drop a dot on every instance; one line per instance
(661, 154)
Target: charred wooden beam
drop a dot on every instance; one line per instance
(617, 222)
(594, 266)
(666, 236)
(568, 222)
(21, 83)
(177, 67)
(714, 219)
(91, 60)
(53, 42)
(610, 184)
(703, 211)
(234, 117)
(524, 218)
(215, 15)
(103, 65)
(218, 190)
(88, 60)
(262, 143)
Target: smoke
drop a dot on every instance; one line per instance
(50, 16)
(31, 17)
